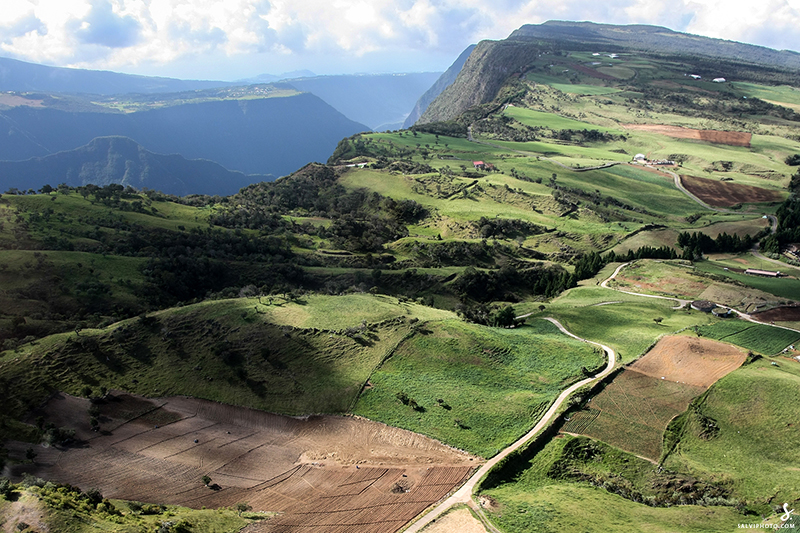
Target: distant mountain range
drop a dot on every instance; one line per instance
(241, 131)
(22, 76)
(107, 160)
(381, 101)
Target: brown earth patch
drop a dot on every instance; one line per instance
(322, 473)
(731, 138)
(458, 521)
(13, 100)
(698, 362)
(725, 194)
(779, 314)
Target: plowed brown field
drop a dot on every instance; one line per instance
(699, 362)
(788, 314)
(732, 138)
(322, 473)
(725, 194)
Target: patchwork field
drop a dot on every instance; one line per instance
(323, 474)
(633, 411)
(731, 138)
(725, 194)
(759, 338)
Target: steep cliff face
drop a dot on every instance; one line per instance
(444, 81)
(492, 62)
(484, 72)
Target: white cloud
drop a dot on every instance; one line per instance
(257, 36)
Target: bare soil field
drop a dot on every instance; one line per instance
(731, 138)
(725, 194)
(633, 411)
(779, 314)
(694, 361)
(458, 521)
(321, 473)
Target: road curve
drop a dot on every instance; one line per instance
(604, 284)
(464, 494)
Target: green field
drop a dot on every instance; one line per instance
(626, 326)
(495, 382)
(532, 496)
(571, 88)
(54, 508)
(757, 447)
(763, 339)
(530, 117)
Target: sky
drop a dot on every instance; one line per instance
(238, 39)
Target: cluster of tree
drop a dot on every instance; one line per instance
(585, 135)
(455, 253)
(508, 283)
(505, 128)
(644, 252)
(695, 244)
(788, 231)
(506, 228)
(792, 160)
(360, 146)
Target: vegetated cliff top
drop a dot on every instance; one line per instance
(492, 62)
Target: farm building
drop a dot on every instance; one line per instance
(695, 76)
(721, 312)
(481, 165)
(719, 80)
(640, 157)
(765, 273)
(703, 305)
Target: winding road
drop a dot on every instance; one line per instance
(464, 494)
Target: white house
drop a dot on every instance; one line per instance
(718, 80)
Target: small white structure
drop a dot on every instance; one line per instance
(695, 76)
(640, 157)
(718, 80)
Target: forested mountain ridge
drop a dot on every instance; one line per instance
(120, 160)
(251, 134)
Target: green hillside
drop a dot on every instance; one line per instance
(405, 279)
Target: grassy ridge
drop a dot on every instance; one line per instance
(494, 383)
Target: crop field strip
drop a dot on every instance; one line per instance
(764, 339)
(633, 410)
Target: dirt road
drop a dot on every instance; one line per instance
(464, 494)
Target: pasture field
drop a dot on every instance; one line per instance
(552, 121)
(530, 497)
(782, 289)
(493, 384)
(318, 472)
(663, 278)
(757, 445)
(763, 339)
(339, 312)
(570, 88)
(625, 325)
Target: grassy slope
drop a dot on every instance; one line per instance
(533, 501)
(758, 445)
(496, 382)
(228, 351)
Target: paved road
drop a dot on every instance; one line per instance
(464, 494)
